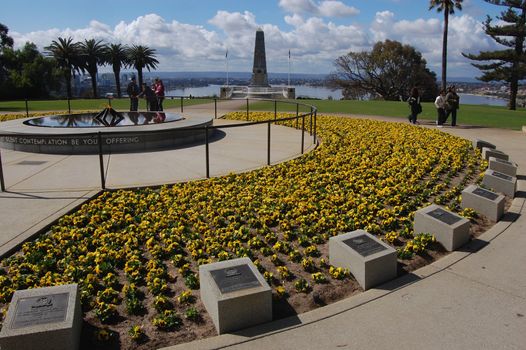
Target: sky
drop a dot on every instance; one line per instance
(195, 35)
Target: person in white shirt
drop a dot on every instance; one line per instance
(440, 104)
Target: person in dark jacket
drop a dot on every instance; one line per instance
(452, 104)
(158, 88)
(151, 98)
(133, 93)
(414, 105)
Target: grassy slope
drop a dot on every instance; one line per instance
(490, 116)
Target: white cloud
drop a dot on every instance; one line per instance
(466, 34)
(314, 41)
(326, 8)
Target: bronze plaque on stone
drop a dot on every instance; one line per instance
(486, 194)
(444, 216)
(502, 176)
(235, 278)
(39, 310)
(364, 245)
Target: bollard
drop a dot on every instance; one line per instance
(27, 109)
(69, 106)
(215, 108)
(2, 183)
(302, 132)
(181, 104)
(268, 143)
(207, 154)
(247, 108)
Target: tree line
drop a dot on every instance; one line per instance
(27, 73)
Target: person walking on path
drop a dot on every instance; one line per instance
(414, 105)
(158, 88)
(440, 104)
(133, 93)
(452, 104)
(151, 98)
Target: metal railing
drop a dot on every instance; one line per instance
(311, 114)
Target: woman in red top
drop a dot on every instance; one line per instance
(159, 92)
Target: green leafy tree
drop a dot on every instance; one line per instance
(67, 55)
(508, 64)
(389, 71)
(448, 8)
(93, 53)
(118, 58)
(5, 42)
(141, 57)
(30, 74)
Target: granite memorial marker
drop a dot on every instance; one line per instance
(503, 166)
(489, 152)
(370, 260)
(235, 294)
(500, 182)
(485, 202)
(43, 318)
(449, 229)
(481, 143)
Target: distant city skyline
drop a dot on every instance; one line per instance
(194, 36)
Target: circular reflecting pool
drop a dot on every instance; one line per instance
(93, 120)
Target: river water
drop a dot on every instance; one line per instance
(325, 93)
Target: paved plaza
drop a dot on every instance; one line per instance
(474, 298)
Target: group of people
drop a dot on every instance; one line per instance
(154, 95)
(447, 103)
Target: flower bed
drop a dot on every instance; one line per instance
(135, 254)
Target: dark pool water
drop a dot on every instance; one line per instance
(88, 120)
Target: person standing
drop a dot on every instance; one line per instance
(133, 93)
(440, 104)
(159, 91)
(149, 95)
(414, 105)
(452, 104)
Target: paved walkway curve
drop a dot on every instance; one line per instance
(471, 299)
(43, 187)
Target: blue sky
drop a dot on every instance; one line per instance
(193, 35)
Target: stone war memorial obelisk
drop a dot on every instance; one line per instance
(259, 86)
(259, 69)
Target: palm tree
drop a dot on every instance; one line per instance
(448, 7)
(67, 55)
(93, 54)
(118, 58)
(142, 57)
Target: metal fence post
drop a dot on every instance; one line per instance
(275, 109)
(302, 133)
(207, 154)
(181, 104)
(315, 118)
(69, 106)
(268, 143)
(101, 161)
(215, 108)
(2, 183)
(310, 124)
(27, 109)
(297, 113)
(247, 108)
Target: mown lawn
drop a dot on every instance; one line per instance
(482, 115)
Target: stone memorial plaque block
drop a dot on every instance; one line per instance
(449, 229)
(502, 166)
(485, 202)
(479, 191)
(364, 245)
(235, 294)
(234, 278)
(43, 318)
(370, 260)
(37, 310)
(489, 152)
(444, 216)
(480, 144)
(500, 182)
